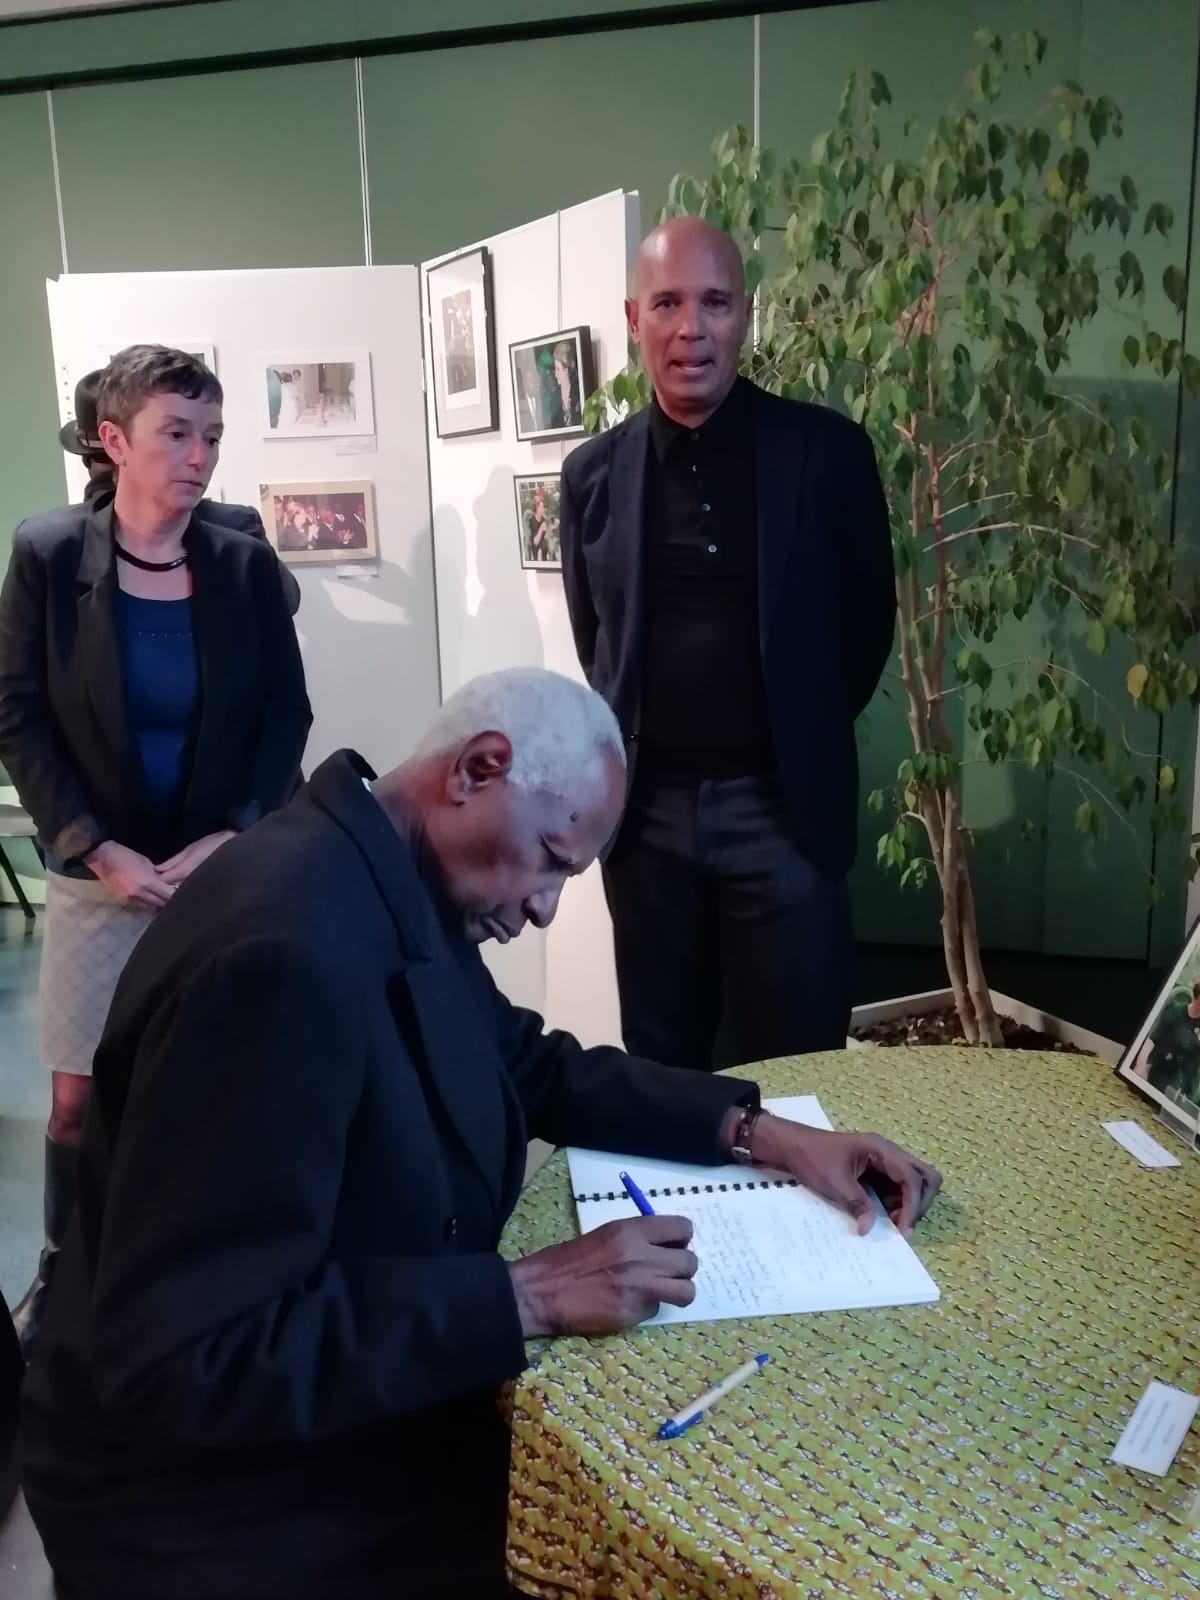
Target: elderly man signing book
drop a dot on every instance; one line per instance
(271, 1355)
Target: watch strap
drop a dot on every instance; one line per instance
(743, 1133)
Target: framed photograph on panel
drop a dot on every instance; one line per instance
(462, 343)
(320, 524)
(552, 376)
(537, 521)
(315, 394)
(1164, 1059)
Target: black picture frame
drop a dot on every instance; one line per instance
(458, 291)
(525, 485)
(541, 410)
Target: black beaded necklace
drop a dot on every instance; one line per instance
(151, 566)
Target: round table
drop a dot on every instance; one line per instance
(956, 1450)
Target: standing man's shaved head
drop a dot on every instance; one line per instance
(689, 312)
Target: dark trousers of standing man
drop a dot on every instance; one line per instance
(730, 945)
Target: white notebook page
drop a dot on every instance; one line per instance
(772, 1250)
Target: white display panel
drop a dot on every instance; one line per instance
(566, 270)
(369, 640)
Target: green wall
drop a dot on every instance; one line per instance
(236, 169)
(207, 167)
(465, 143)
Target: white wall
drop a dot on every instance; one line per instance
(562, 271)
(369, 643)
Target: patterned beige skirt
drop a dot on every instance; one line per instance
(88, 937)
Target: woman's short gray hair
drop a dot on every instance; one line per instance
(559, 729)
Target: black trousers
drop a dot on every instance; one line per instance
(730, 945)
(396, 1524)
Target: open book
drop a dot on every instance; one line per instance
(767, 1247)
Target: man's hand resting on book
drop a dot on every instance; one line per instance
(848, 1168)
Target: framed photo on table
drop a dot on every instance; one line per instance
(1164, 1059)
(552, 376)
(537, 521)
(462, 344)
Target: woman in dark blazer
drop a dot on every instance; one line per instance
(152, 705)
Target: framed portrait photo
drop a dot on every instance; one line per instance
(315, 394)
(462, 345)
(537, 521)
(552, 376)
(320, 524)
(1164, 1059)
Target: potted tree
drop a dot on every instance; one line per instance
(937, 290)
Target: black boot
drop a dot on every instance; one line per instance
(59, 1202)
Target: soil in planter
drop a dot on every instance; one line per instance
(943, 1027)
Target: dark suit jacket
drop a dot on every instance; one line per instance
(65, 735)
(243, 519)
(827, 603)
(272, 1351)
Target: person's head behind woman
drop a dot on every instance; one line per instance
(159, 415)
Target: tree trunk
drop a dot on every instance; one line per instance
(960, 930)
(986, 1022)
(946, 845)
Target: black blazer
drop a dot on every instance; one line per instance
(65, 735)
(275, 1339)
(827, 603)
(243, 519)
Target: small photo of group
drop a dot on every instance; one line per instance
(320, 523)
(537, 521)
(311, 396)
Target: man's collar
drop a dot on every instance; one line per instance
(398, 860)
(721, 427)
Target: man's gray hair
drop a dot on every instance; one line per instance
(559, 729)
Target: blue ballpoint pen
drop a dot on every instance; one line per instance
(687, 1419)
(636, 1195)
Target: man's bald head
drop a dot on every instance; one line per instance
(689, 312)
(687, 235)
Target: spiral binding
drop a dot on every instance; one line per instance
(695, 1188)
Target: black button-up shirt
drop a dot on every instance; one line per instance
(704, 711)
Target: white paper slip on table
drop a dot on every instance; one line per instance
(1156, 1429)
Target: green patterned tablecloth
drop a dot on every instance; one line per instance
(958, 1450)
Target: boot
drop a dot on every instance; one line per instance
(59, 1203)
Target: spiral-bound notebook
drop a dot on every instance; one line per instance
(767, 1247)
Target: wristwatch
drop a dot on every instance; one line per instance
(742, 1135)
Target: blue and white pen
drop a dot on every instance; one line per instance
(683, 1420)
(636, 1195)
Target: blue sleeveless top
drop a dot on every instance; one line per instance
(162, 686)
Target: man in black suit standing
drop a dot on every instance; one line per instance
(270, 1359)
(81, 437)
(728, 570)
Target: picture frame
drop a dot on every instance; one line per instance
(315, 394)
(552, 376)
(538, 498)
(1163, 1061)
(197, 348)
(321, 524)
(462, 344)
